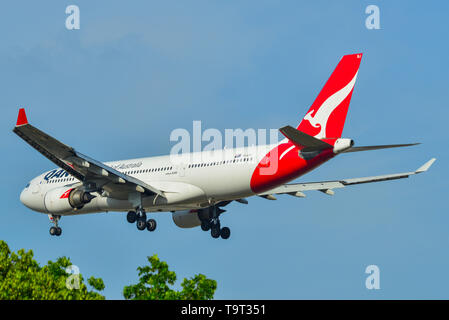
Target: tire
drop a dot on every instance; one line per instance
(151, 225)
(215, 232)
(131, 217)
(141, 224)
(205, 225)
(58, 231)
(225, 233)
(53, 231)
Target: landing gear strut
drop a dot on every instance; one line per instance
(215, 227)
(140, 218)
(56, 230)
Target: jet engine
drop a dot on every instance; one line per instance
(64, 200)
(186, 218)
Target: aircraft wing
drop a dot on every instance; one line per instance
(296, 189)
(77, 164)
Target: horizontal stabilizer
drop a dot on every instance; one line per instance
(387, 146)
(301, 139)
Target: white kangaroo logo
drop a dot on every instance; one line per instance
(328, 106)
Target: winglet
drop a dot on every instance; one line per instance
(21, 118)
(425, 166)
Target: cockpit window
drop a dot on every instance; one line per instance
(27, 185)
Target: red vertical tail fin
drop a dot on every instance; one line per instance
(326, 117)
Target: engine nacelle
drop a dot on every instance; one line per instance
(186, 218)
(64, 200)
(342, 144)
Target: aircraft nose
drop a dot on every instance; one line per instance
(24, 198)
(32, 200)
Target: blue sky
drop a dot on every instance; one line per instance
(117, 87)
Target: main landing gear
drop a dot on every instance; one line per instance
(213, 224)
(215, 230)
(140, 218)
(56, 230)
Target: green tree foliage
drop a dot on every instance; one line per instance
(155, 280)
(21, 277)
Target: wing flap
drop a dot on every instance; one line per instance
(115, 175)
(326, 186)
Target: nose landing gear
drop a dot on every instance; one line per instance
(56, 230)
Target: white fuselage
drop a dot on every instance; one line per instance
(192, 180)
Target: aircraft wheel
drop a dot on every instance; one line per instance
(141, 224)
(215, 232)
(205, 225)
(225, 232)
(151, 225)
(58, 231)
(53, 231)
(131, 217)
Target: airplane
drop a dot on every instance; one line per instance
(196, 189)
